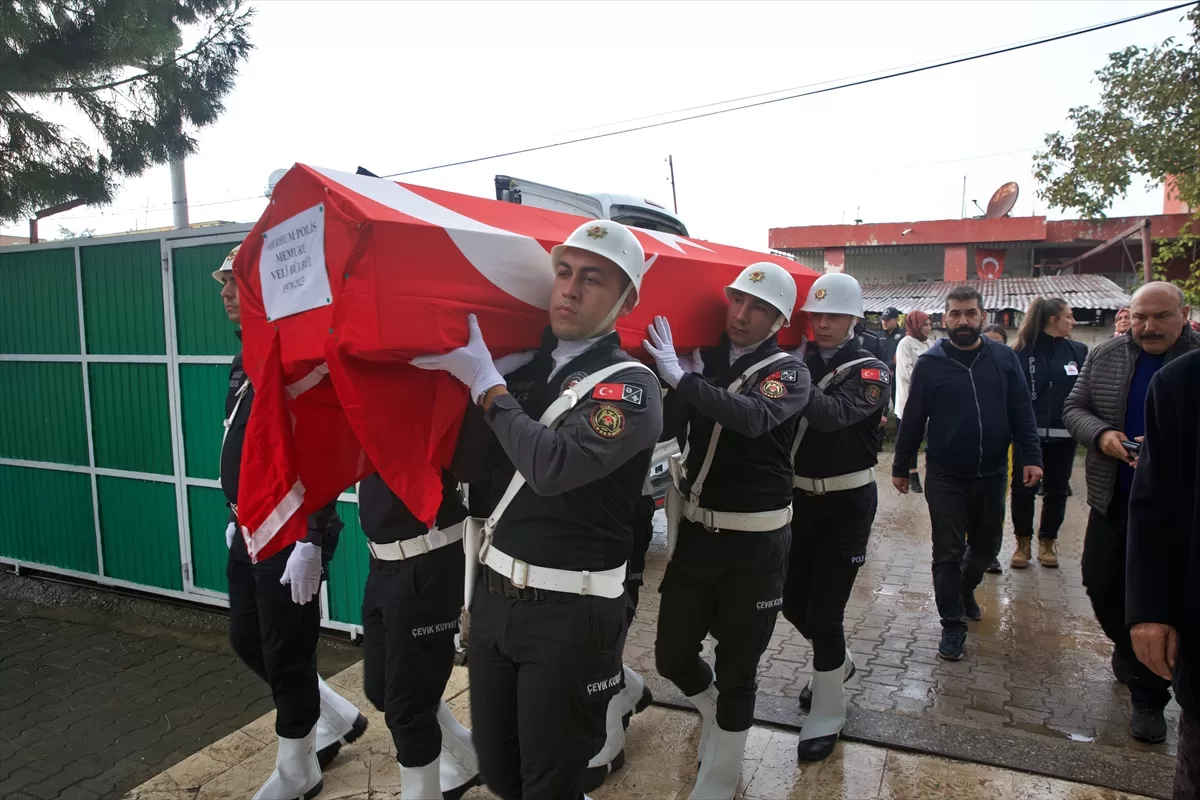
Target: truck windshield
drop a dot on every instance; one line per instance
(646, 219)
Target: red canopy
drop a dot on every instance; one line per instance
(346, 277)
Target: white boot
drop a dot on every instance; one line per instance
(459, 769)
(706, 704)
(722, 766)
(820, 731)
(635, 696)
(340, 724)
(421, 783)
(612, 755)
(297, 774)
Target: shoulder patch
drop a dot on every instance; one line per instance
(772, 387)
(872, 392)
(788, 376)
(879, 375)
(608, 421)
(624, 392)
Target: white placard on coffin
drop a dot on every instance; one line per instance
(291, 265)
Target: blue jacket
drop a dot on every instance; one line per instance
(973, 415)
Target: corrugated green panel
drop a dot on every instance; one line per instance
(207, 518)
(48, 518)
(200, 321)
(202, 388)
(348, 570)
(139, 532)
(130, 417)
(39, 312)
(123, 298)
(41, 412)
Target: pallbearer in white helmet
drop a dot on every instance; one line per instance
(835, 498)
(558, 480)
(729, 510)
(274, 614)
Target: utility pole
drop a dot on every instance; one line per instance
(962, 207)
(674, 201)
(179, 201)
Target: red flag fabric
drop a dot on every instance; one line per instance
(989, 264)
(346, 277)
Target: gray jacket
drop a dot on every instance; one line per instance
(1097, 404)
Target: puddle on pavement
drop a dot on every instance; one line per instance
(1043, 730)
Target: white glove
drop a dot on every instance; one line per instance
(303, 572)
(230, 532)
(692, 363)
(514, 361)
(471, 364)
(663, 351)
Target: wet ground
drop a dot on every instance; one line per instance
(1034, 691)
(661, 746)
(99, 692)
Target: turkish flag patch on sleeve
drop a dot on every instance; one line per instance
(871, 375)
(624, 392)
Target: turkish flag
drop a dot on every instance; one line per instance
(989, 264)
(346, 277)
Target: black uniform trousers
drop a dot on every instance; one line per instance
(1055, 487)
(956, 506)
(829, 545)
(275, 637)
(410, 615)
(729, 584)
(542, 673)
(643, 533)
(1103, 567)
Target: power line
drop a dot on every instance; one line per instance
(845, 85)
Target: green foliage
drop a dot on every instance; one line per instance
(118, 63)
(1147, 124)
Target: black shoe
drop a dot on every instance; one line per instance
(994, 567)
(457, 793)
(914, 483)
(971, 609)
(951, 646)
(1148, 725)
(816, 749)
(1122, 669)
(806, 692)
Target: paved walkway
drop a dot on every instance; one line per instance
(661, 744)
(95, 700)
(1034, 692)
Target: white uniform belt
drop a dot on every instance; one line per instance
(609, 583)
(418, 546)
(838, 483)
(748, 521)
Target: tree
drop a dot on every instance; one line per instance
(119, 63)
(66, 233)
(1147, 124)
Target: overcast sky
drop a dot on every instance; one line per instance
(396, 86)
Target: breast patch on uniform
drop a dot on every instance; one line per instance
(608, 421)
(772, 387)
(625, 392)
(572, 379)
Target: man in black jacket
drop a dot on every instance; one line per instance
(274, 618)
(974, 399)
(1163, 564)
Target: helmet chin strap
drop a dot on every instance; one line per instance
(606, 324)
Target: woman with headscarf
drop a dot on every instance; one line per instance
(918, 328)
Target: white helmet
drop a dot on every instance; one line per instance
(610, 240)
(835, 293)
(226, 265)
(770, 283)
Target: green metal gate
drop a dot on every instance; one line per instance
(114, 365)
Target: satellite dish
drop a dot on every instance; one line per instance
(274, 179)
(1002, 201)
